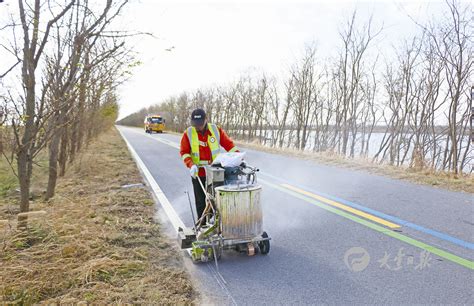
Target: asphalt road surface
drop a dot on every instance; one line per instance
(339, 236)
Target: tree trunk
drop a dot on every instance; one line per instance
(53, 165)
(24, 180)
(62, 160)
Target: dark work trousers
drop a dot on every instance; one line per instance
(199, 196)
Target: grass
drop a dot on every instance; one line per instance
(97, 242)
(8, 180)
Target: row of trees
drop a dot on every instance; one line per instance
(69, 64)
(417, 105)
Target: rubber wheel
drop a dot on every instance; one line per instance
(264, 245)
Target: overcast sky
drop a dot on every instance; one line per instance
(214, 42)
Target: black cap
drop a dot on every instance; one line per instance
(198, 117)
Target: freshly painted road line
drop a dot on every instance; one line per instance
(441, 253)
(396, 220)
(442, 236)
(175, 220)
(342, 206)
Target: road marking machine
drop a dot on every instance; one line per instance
(232, 218)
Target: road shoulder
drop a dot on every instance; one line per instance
(96, 241)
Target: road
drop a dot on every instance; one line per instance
(339, 236)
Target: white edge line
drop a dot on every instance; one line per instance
(167, 207)
(169, 210)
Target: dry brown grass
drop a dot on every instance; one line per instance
(464, 182)
(445, 180)
(95, 242)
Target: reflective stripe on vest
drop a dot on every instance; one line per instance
(185, 156)
(213, 142)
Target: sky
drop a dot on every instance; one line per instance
(200, 44)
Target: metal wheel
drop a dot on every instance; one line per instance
(241, 247)
(264, 245)
(218, 253)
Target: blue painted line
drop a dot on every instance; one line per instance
(399, 221)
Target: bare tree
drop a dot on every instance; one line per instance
(70, 69)
(454, 46)
(26, 131)
(303, 96)
(340, 106)
(355, 44)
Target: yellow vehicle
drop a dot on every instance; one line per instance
(154, 123)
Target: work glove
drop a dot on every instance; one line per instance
(193, 171)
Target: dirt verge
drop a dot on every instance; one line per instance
(96, 241)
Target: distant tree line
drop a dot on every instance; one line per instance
(60, 91)
(421, 98)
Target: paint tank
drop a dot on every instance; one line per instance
(240, 209)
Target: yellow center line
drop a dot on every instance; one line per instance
(342, 206)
